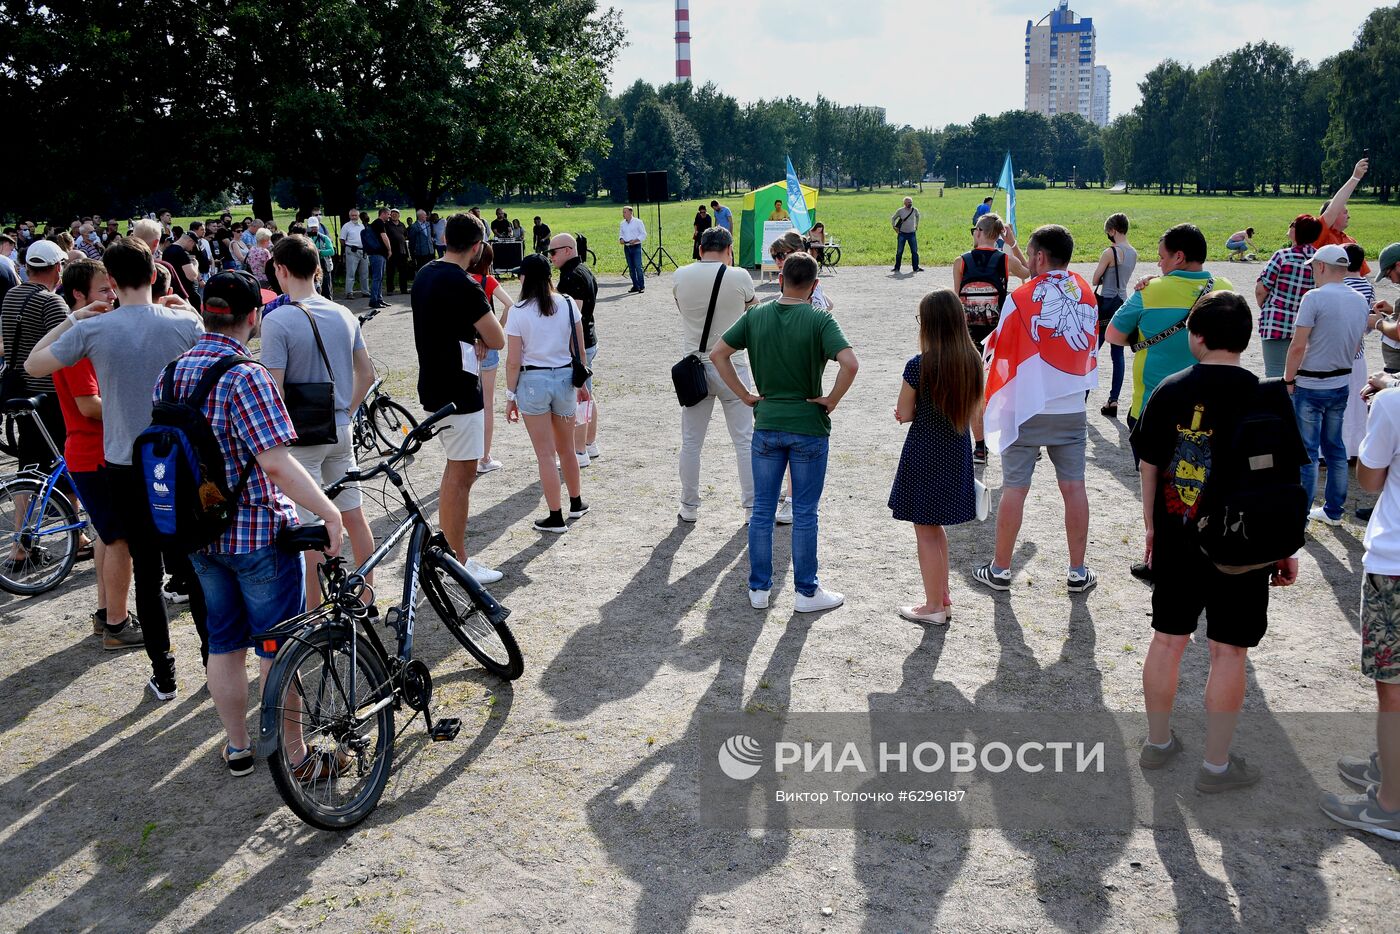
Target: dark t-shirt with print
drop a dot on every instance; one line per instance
(1188, 417)
(447, 303)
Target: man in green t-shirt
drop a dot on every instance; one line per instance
(789, 343)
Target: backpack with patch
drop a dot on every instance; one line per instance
(1255, 509)
(182, 468)
(983, 288)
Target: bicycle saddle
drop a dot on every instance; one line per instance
(15, 406)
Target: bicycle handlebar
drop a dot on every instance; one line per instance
(366, 319)
(410, 445)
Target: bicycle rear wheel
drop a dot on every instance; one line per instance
(38, 538)
(349, 740)
(491, 644)
(392, 422)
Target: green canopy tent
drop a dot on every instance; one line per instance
(758, 204)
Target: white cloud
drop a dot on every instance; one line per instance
(930, 64)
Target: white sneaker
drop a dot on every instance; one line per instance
(758, 599)
(486, 465)
(1320, 514)
(823, 599)
(482, 573)
(593, 451)
(687, 513)
(583, 460)
(784, 516)
(748, 514)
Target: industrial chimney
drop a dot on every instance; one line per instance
(683, 40)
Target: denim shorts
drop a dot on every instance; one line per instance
(248, 594)
(590, 353)
(492, 360)
(541, 392)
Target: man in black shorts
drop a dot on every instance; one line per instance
(1176, 438)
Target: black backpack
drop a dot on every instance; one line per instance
(179, 461)
(1255, 510)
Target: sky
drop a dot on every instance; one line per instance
(934, 63)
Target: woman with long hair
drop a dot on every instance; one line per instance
(933, 486)
(544, 334)
(1111, 278)
(490, 359)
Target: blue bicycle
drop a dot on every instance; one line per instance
(40, 527)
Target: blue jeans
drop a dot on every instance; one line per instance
(248, 594)
(634, 266)
(1320, 413)
(913, 240)
(1275, 355)
(376, 277)
(773, 453)
(1116, 355)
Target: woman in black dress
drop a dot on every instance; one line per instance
(703, 222)
(934, 486)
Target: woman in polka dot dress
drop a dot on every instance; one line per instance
(933, 487)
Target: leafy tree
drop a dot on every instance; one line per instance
(910, 158)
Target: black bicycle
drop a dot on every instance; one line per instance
(327, 726)
(380, 424)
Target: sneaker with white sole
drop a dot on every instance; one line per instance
(172, 596)
(486, 465)
(239, 761)
(577, 507)
(482, 573)
(997, 580)
(593, 452)
(583, 460)
(1363, 812)
(1360, 772)
(162, 682)
(823, 599)
(1079, 582)
(1238, 774)
(554, 522)
(758, 599)
(784, 515)
(687, 513)
(1319, 514)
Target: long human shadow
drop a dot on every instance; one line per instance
(1113, 455)
(1069, 865)
(590, 671)
(907, 873)
(1341, 578)
(34, 685)
(659, 843)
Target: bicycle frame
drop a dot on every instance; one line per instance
(40, 503)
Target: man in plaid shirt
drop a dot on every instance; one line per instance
(1286, 278)
(249, 585)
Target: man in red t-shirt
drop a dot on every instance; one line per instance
(1335, 215)
(85, 282)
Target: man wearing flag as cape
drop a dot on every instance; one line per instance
(1041, 362)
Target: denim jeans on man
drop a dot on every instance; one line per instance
(376, 277)
(634, 265)
(773, 453)
(913, 240)
(1320, 413)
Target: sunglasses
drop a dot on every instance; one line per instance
(557, 249)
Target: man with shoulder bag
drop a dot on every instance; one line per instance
(711, 295)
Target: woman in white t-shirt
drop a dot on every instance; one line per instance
(543, 335)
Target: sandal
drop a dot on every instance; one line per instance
(1110, 410)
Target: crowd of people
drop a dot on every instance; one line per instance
(105, 324)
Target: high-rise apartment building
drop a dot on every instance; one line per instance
(1060, 63)
(1102, 84)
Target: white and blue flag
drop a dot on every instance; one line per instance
(1007, 182)
(796, 201)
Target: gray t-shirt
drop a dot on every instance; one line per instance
(288, 344)
(1117, 285)
(1337, 315)
(692, 286)
(129, 347)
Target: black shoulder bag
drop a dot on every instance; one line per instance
(1180, 326)
(689, 374)
(312, 405)
(1108, 304)
(581, 373)
(12, 382)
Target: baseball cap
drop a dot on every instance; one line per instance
(1331, 255)
(236, 288)
(43, 254)
(1389, 257)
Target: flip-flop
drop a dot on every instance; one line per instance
(932, 619)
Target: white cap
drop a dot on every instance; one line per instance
(1331, 255)
(44, 253)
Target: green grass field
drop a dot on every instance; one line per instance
(859, 221)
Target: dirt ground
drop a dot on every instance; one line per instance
(568, 802)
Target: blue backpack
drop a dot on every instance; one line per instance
(180, 463)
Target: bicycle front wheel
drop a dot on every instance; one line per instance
(491, 644)
(335, 741)
(38, 537)
(391, 421)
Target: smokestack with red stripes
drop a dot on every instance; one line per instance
(683, 40)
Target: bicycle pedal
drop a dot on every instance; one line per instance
(445, 730)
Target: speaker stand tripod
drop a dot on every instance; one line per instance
(660, 256)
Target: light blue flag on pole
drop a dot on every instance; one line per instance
(796, 201)
(1008, 183)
